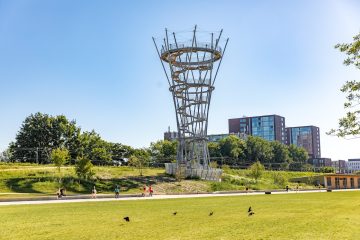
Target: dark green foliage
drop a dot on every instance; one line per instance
(39, 134)
(258, 149)
(83, 168)
(163, 151)
(327, 170)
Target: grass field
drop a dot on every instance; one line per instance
(333, 215)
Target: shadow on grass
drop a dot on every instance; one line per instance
(22, 185)
(84, 186)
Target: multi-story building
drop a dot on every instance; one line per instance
(354, 165)
(320, 162)
(269, 127)
(340, 166)
(170, 136)
(307, 137)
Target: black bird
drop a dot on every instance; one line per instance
(250, 210)
(174, 213)
(211, 213)
(251, 213)
(127, 219)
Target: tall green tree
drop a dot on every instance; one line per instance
(39, 134)
(120, 151)
(60, 156)
(163, 151)
(280, 152)
(258, 149)
(94, 148)
(233, 147)
(350, 123)
(298, 154)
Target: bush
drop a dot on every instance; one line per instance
(279, 179)
(256, 170)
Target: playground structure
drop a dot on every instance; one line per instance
(191, 80)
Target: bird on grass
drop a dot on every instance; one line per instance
(174, 213)
(127, 219)
(250, 212)
(211, 213)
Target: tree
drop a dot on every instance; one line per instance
(139, 159)
(83, 168)
(258, 149)
(233, 147)
(256, 170)
(120, 151)
(350, 123)
(94, 148)
(39, 134)
(280, 152)
(298, 154)
(163, 150)
(59, 157)
(5, 156)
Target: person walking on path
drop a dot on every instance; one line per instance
(117, 191)
(287, 188)
(61, 193)
(150, 191)
(144, 191)
(93, 192)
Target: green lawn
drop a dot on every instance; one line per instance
(334, 215)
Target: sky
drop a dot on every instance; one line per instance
(95, 62)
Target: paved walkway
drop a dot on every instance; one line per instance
(127, 198)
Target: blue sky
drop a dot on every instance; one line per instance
(94, 61)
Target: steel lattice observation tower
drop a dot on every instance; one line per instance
(192, 69)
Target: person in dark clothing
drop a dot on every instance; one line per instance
(117, 191)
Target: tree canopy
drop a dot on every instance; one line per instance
(349, 125)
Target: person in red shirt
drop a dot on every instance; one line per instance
(150, 191)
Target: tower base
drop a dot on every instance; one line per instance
(211, 174)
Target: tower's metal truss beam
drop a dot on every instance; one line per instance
(191, 82)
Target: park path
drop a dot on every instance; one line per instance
(155, 197)
(29, 168)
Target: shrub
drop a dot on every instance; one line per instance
(279, 179)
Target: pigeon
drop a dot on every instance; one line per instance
(250, 210)
(174, 213)
(211, 213)
(127, 219)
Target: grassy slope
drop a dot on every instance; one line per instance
(44, 180)
(333, 215)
